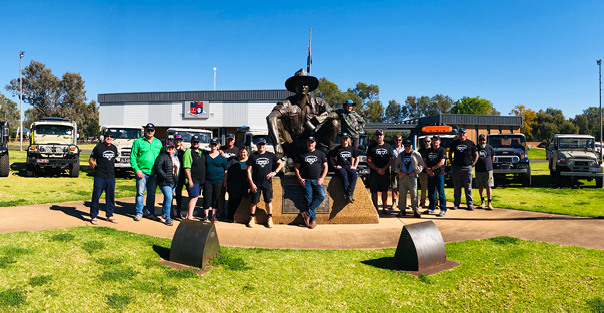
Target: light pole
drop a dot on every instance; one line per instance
(599, 62)
(21, 54)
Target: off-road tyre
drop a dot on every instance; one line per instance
(30, 171)
(559, 178)
(526, 178)
(599, 181)
(4, 165)
(74, 171)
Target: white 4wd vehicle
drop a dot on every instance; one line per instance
(249, 137)
(187, 133)
(574, 157)
(53, 144)
(123, 138)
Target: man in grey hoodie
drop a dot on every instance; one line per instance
(408, 165)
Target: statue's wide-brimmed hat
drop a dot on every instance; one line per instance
(301, 75)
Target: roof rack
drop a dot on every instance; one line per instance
(58, 119)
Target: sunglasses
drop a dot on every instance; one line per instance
(399, 140)
(150, 130)
(407, 146)
(108, 136)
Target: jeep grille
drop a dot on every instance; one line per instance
(507, 159)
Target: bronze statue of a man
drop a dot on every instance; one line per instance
(300, 116)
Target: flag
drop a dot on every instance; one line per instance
(309, 58)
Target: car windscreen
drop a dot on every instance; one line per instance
(255, 139)
(576, 143)
(506, 141)
(186, 136)
(124, 133)
(54, 130)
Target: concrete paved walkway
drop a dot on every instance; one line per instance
(455, 226)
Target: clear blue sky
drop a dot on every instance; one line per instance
(536, 53)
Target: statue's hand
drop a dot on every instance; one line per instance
(279, 150)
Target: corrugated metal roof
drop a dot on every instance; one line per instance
(211, 95)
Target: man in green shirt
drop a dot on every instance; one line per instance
(142, 158)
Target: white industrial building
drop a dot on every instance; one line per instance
(221, 112)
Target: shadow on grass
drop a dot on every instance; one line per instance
(162, 252)
(383, 263)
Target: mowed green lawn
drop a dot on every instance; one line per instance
(98, 269)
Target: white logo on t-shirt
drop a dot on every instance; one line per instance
(345, 155)
(482, 153)
(381, 151)
(262, 162)
(461, 148)
(432, 156)
(311, 159)
(109, 155)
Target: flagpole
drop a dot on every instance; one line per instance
(309, 58)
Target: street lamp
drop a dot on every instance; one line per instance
(599, 62)
(21, 54)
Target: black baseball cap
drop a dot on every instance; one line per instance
(345, 135)
(261, 141)
(213, 141)
(462, 130)
(407, 142)
(108, 133)
(379, 132)
(150, 126)
(436, 137)
(311, 138)
(194, 138)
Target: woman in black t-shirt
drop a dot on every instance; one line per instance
(237, 183)
(344, 159)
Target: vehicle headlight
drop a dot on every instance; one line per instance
(72, 148)
(571, 163)
(592, 163)
(362, 158)
(42, 149)
(561, 158)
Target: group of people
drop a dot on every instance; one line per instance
(401, 168)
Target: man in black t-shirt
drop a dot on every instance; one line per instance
(259, 174)
(311, 169)
(434, 161)
(484, 170)
(379, 158)
(463, 156)
(345, 160)
(104, 177)
(230, 152)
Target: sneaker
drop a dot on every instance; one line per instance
(416, 214)
(481, 205)
(470, 208)
(252, 222)
(269, 224)
(169, 222)
(161, 219)
(490, 207)
(214, 219)
(138, 217)
(442, 213)
(429, 211)
(206, 219)
(422, 203)
(94, 221)
(455, 207)
(313, 224)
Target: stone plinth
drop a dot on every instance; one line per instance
(340, 211)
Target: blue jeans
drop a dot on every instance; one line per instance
(100, 185)
(436, 184)
(168, 192)
(150, 183)
(349, 179)
(314, 194)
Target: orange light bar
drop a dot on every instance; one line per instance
(437, 129)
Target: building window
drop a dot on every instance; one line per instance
(476, 128)
(500, 130)
(511, 129)
(488, 129)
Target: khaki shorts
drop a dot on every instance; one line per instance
(484, 179)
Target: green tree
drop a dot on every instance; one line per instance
(439, 104)
(9, 112)
(528, 119)
(365, 96)
(589, 122)
(551, 122)
(40, 88)
(476, 105)
(394, 112)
